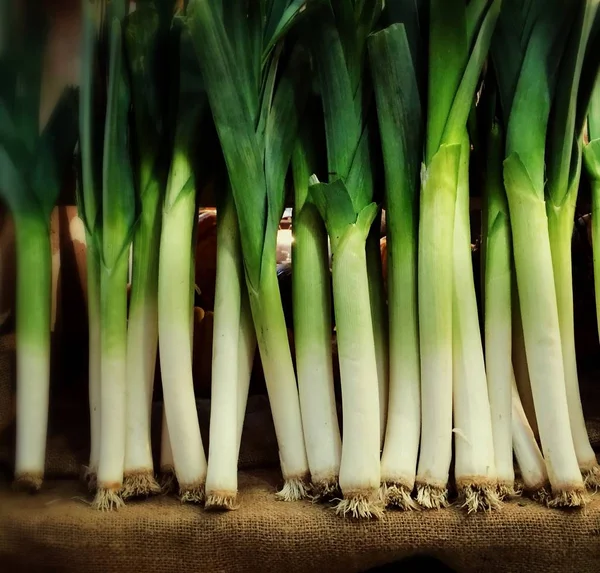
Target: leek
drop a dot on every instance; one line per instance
(175, 308)
(118, 218)
(32, 165)
(257, 121)
(347, 208)
(564, 170)
(455, 66)
(526, 67)
(400, 124)
(230, 373)
(148, 47)
(311, 291)
(592, 164)
(497, 310)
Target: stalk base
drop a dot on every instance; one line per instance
(432, 496)
(294, 489)
(221, 500)
(360, 506)
(506, 489)
(28, 481)
(541, 495)
(139, 483)
(168, 480)
(108, 499)
(191, 493)
(568, 498)
(591, 477)
(398, 495)
(326, 489)
(479, 496)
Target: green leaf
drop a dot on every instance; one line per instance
(335, 206)
(463, 100)
(55, 151)
(591, 155)
(448, 56)
(515, 25)
(342, 119)
(89, 186)
(594, 112)
(534, 92)
(118, 196)
(236, 130)
(284, 19)
(400, 119)
(282, 129)
(563, 150)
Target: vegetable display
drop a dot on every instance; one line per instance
(417, 387)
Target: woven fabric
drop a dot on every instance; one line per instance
(56, 530)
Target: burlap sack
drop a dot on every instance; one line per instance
(56, 530)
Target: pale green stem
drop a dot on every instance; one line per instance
(313, 335)
(276, 358)
(142, 343)
(174, 285)
(360, 466)
(560, 228)
(113, 372)
(379, 314)
(94, 350)
(33, 256)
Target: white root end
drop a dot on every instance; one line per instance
(506, 489)
(139, 484)
(476, 498)
(191, 493)
(168, 480)
(541, 494)
(325, 489)
(107, 499)
(398, 495)
(29, 482)
(360, 506)
(432, 497)
(294, 489)
(568, 498)
(591, 477)
(221, 501)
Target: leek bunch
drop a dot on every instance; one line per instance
(34, 160)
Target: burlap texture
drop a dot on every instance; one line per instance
(56, 530)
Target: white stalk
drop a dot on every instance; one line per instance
(379, 314)
(94, 353)
(436, 237)
(246, 352)
(498, 273)
(167, 465)
(541, 328)
(141, 361)
(528, 454)
(221, 477)
(278, 368)
(33, 257)
(174, 340)
(142, 346)
(475, 469)
(360, 473)
(314, 361)
(560, 227)
(519, 362)
(113, 383)
(403, 430)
